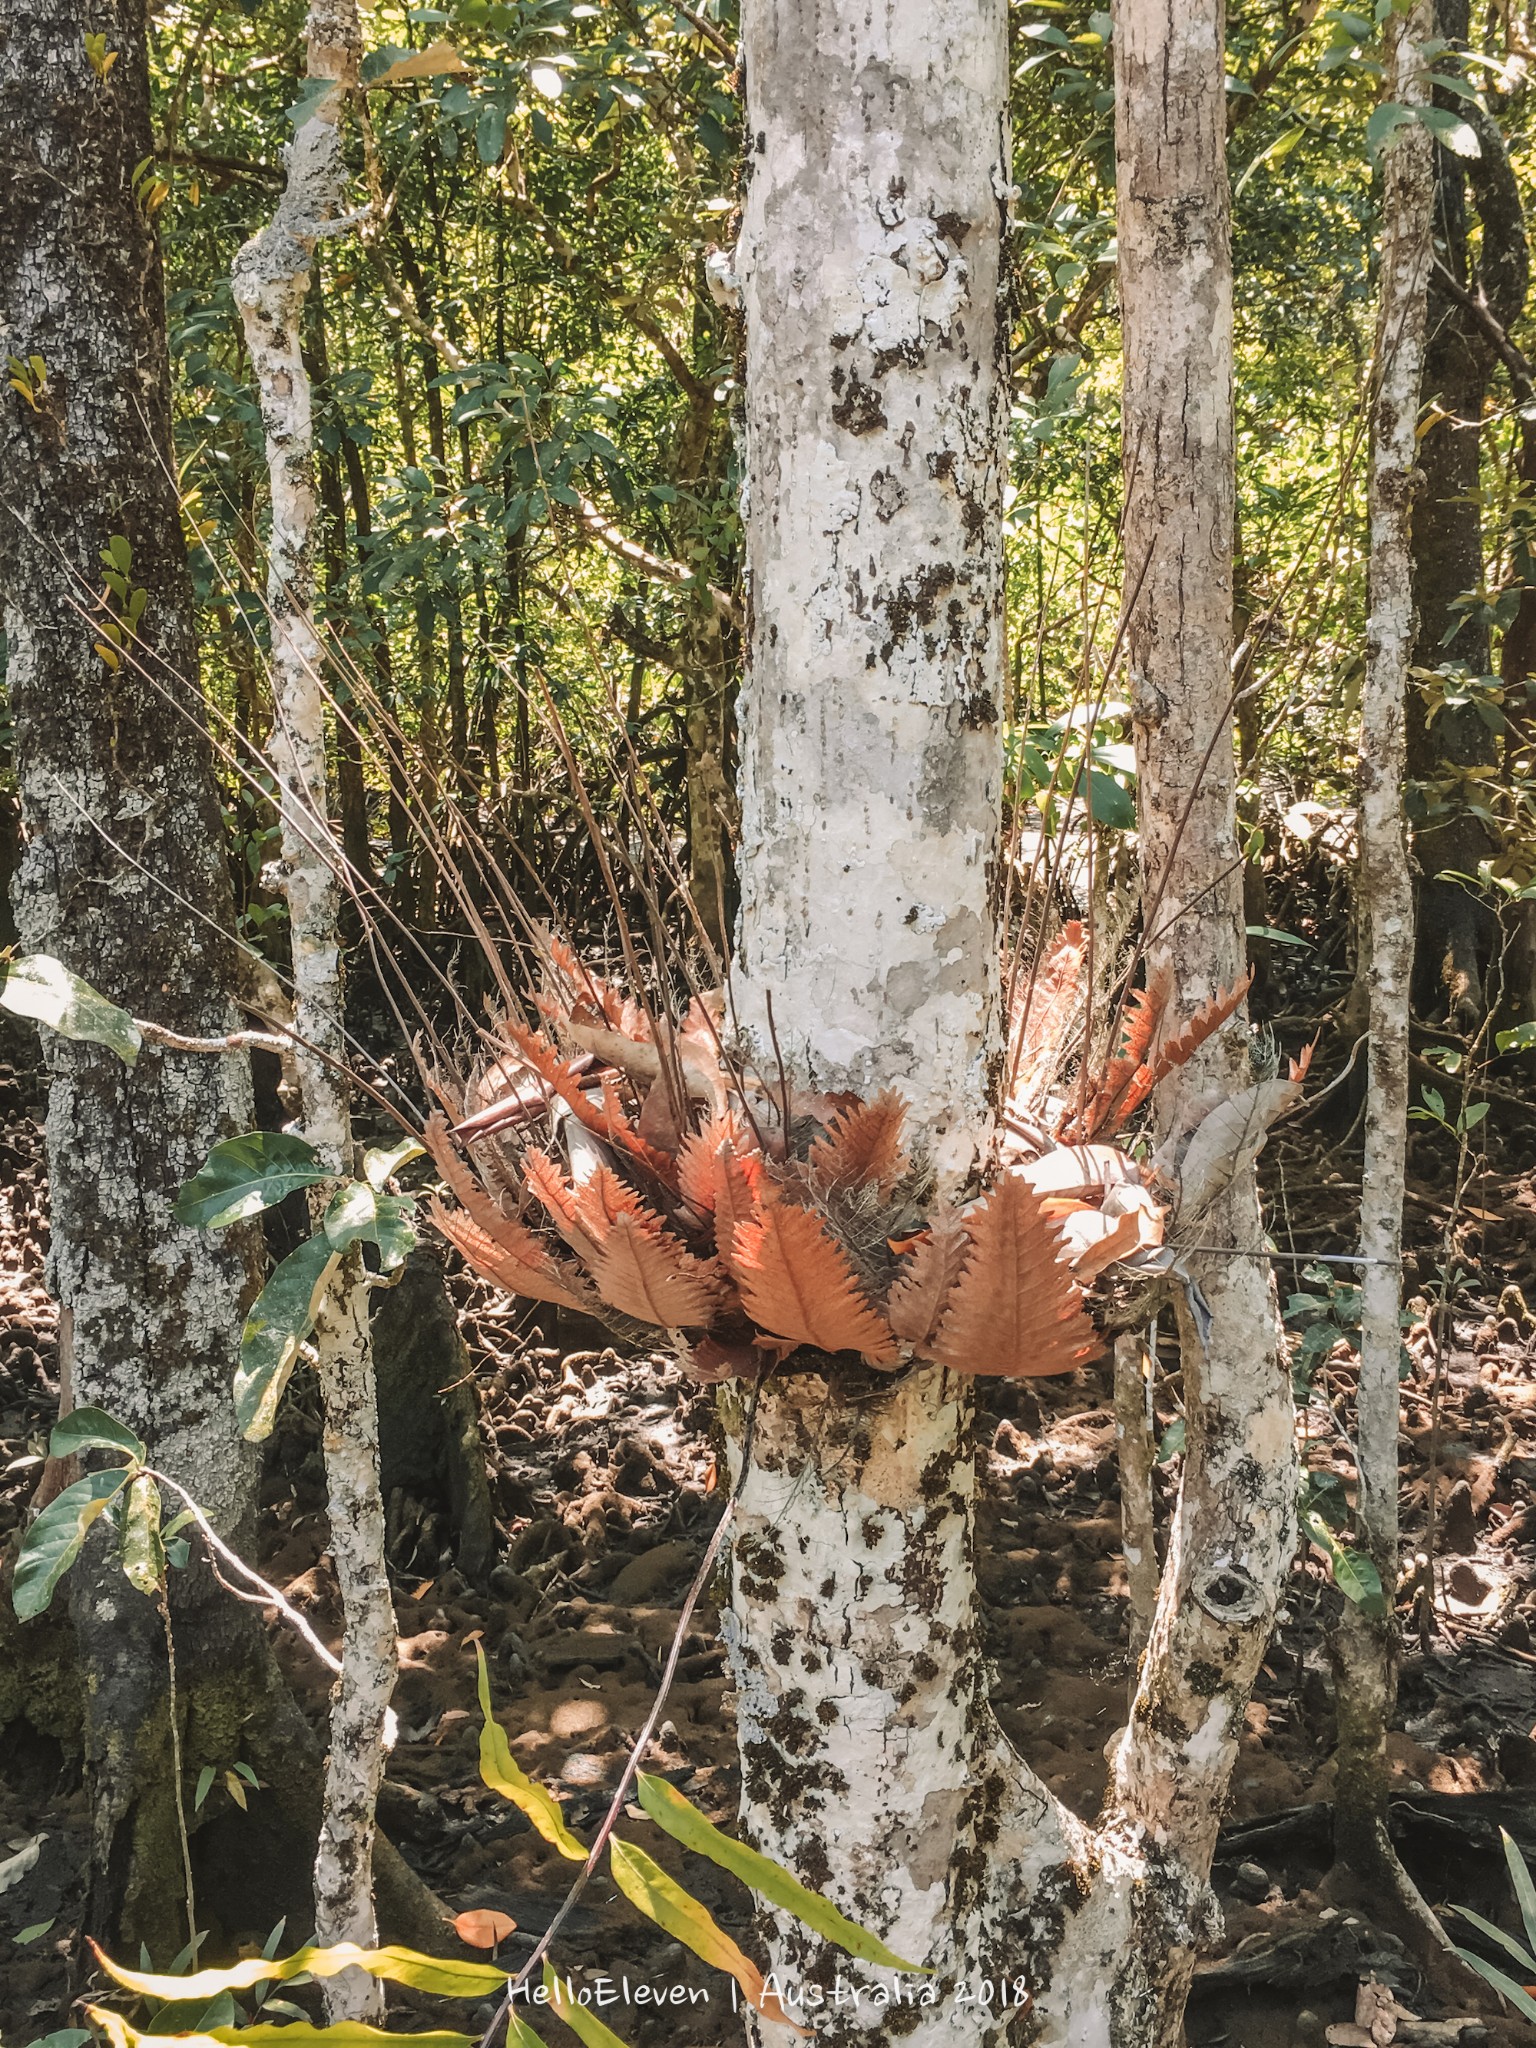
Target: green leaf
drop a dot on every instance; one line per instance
(121, 551)
(1519, 1039)
(45, 990)
(684, 1823)
(205, 1778)
(359, 1212)
(1387, 118)
(520, 2034)
(283, 1316)
(244, 1175)
(662, 1899)
(313, 94)
(583, 2022)
(491, 132)
(53, 1542)
(1109, 803)
(1525, 1891)
(35, 1933)
(1520, 1999)
(379, 1164)
(500, 1770)
(1172, 1441)
(1353, 1572)
(143, 1552)
(93, 1429)
(1268, 931)
(445, 1979)
(1451, 131)
(66, 2037)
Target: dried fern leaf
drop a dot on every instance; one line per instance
(861, 1147)
(797, 1283)
(651, 1277)
(1122, 1083)
(602, 1197)
(582, 986)
(546, 1280)
(1015, 1311)
(1207, 1020)
(696, 1157)
(922, 1286)
(1040, 1010)
(550, 1068)
(737, 1195)
(550, 1188)
(662, 1165)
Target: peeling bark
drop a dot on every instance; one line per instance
(1233, 1535)
(123, 831)
(871, 273)
(271, 277)
(1364, 1646)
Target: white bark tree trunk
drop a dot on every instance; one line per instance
(1365, 1648)
(271, 278)
(871, 260)
(1234, 1531)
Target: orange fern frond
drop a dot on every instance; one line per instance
(651, 1277)
(1040, 1009)
(736, 1195)
(1015, 1311)
(922, 1287)
(551, 1069)
(602, 1197)
(1207, 1020)
(696, 1158)
(584, 985)
(549, 1187)
(618, 1127)
(1123, 1082)
(537, 1277)
(861, 1146)
(796, 1281)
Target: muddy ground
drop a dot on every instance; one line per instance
(604, 1490)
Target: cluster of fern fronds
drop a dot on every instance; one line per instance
(680, 1191)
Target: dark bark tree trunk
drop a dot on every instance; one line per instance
(1456, 931)
(120, 811)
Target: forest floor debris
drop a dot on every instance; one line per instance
(605, 1484)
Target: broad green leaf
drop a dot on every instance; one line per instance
(1520, 1999)
(684, 1823)
(491, 132)
(1521, 1038)
(1451, 131)
(66, 2037)
(35, 1933)
(282, 1318)
(358, 1212)
(502, 1772)
(1353, 1572)
(379, 1164)
(582, 2021)
(347, 2034)
(143, 1553)
(520, 2034)
(244, 1175)
(1109, 803)
(1525, 1891)
(446, 1979)
(93, 1429)
(44, 989)
(53, 1542)
(1386, 118)
(662, 1899)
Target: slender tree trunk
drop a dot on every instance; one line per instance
(1364, 1645)
(271, 277)
(876, 454)
(1457, 931)
(1234, 1530)
(123, 833)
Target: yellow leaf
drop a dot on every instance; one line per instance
(501, 1771)
(646, 1885)
(399, 1965)
(349, 2034)
(684, 1823)
(583, 2023)
(436, 61)
(236, 1790)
